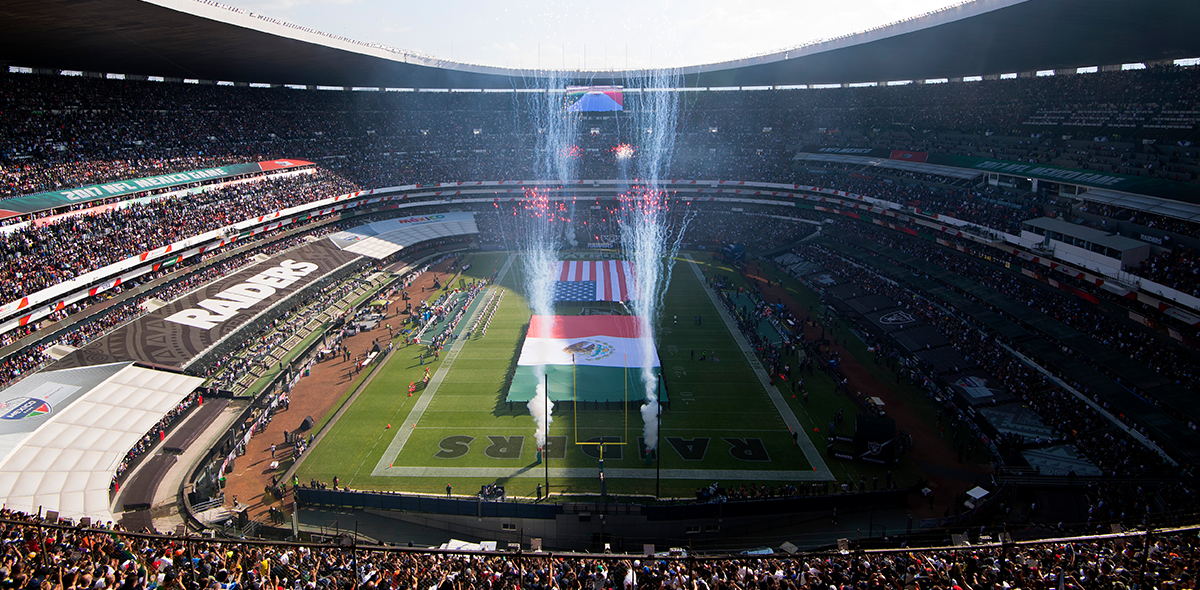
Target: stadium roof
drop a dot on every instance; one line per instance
(192, 39)
(81, 425)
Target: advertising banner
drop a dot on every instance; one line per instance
(50, 200)
(175, 334)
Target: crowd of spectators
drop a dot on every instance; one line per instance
(99, 130)
(1153, 350)
(64, 132)
(1141, 218)
(26, 176)
(1111, 449)
(33, 357)
(41, 255)
(1178, 269)
(71, 558)
(70, 131)
(155, 435)
(256, 351)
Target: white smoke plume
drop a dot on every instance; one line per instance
(647, 235)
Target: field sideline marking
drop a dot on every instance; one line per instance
(536, 471)
(435, 382)
(785, 411)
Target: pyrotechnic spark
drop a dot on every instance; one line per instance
(539, 255)
(570, 152)
(624, 151)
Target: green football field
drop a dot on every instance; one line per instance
(722, 425)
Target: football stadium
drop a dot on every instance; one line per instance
(913, 307)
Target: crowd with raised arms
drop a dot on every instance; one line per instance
(41, 255)
(70, 558)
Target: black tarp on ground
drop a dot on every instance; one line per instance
(977, 388)
(138, 521)
(1019, 420)
(845, 292)
(185, 434)
(920, 338)
(875, 439)
(872, 303)
(893, 320)
(821, 278)
(139, 494)
(943, 360)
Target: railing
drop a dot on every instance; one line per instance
(219, 500)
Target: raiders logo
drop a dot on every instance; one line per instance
(873, 448)
(896, 318)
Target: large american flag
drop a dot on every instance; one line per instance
(591, 280)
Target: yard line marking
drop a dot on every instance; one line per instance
(785, 411)
(435, 382)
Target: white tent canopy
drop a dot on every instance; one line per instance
(384, 238)
(67, 463)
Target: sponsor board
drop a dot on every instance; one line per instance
(174, 335)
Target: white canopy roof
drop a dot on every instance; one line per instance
(384, 238)
(67, 463)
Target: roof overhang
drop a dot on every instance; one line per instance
(194, 40)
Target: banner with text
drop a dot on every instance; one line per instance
(50, 200)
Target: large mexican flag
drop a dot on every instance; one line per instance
(587, 358)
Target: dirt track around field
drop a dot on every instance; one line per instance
(929, 448)
(314, 395)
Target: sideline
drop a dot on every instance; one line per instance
(383, 467)
(536, 472)
(820, 471)
(785, 411)
(375, 368)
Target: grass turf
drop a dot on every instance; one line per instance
(718, 399)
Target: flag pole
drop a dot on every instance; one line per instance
(574, 399)
(546, 442)
(658, 442)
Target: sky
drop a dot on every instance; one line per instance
(590, 34)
